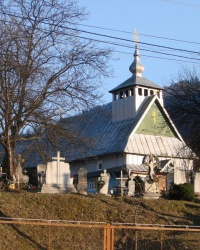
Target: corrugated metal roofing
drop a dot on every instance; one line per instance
(157, 145)
(98, 135)
(138, 168)
(136, 80)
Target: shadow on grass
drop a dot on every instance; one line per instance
(22, 234)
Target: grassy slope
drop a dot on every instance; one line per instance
(75, 207)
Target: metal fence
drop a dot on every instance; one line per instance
(18, 233)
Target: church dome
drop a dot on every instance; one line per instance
(136, 67)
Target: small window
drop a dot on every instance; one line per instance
(115, 96)
(126, 93)
(145, 92)
(121, 94)
(92, 184)
(151, 92)
(100, 165)
(140, 91)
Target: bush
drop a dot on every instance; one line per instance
(139, 185)
(182, 192)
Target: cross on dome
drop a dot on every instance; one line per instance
(136, 67)
(136, 37)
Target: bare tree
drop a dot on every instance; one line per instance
(45, 67)
(182, 100)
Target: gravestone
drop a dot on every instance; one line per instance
(82, 181)
(41, 173)
(131, 186)
(25, 177)
(58, 178)
(151, 190)
(20, 177)
(105, 177)
(18, 172)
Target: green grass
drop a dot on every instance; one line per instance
(97, 208)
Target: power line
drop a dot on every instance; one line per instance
(156, 57)
(114, 37)
(97, 40)
(141, 34)
(122, 39)
(181, 3)
(128, 40)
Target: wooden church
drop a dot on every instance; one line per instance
(125, 135)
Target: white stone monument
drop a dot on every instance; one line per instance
(151, 190)
(131, 186)
(20, 176)
(58, 178)
(105, 177)
(18, 172)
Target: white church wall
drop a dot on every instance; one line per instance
(134, 159)
(130, 108)
(92, 165)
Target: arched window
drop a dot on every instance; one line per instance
(145, 92)
(140, 91)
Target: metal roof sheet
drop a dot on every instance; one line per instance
(98, 135)
(136, 80)
(157, 145)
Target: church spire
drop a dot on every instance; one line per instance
(136, 67)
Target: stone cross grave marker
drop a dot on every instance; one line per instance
(18, 172)
(57, 176)
(82, 181)
(58, 159)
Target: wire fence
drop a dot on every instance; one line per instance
(20, 233)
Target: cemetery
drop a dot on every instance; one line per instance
(128, 161)
(149, 182)
(129, 147)
(76, 171)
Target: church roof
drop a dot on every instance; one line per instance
(98, 136)
(136, 80)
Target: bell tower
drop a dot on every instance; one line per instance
(129, 96)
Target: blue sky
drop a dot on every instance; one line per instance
(171, 19)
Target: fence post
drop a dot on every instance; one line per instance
(136, 243)
(108, 237)
(49, 238)
(161, 242)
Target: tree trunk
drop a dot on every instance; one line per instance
(9, 161)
